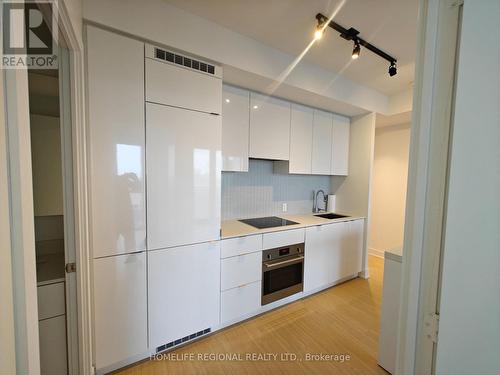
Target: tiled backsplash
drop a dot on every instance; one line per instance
(260, 192)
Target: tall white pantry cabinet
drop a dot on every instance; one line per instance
(115, 69)
(147, 116)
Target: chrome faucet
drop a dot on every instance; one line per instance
(316, 209)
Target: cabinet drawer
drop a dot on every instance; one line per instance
(51, 300)
(240, 270)
(238, 302)
(240, 245)
(283, 238)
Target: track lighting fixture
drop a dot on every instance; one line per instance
(318, 34)
(352, 34)
(393, 69)
(356, 50)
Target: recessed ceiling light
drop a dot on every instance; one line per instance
(255, 106)
(228, 101)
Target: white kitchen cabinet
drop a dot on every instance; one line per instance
(301, 139)
(283, 238)
(269, 127)
(235, 128)
(352, 258)
(240, 245)
(321, 255)
(240, 270)
(184, 176)
(340, 145)
(240, 302)
(184, 291)
(322, 143)
(182, 87)
(120, 308)
(115, 70)
(333, 252)
(53, 358)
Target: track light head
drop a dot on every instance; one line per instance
(320, 29)
(356, 50)
(393, 70)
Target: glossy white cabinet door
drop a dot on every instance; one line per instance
(53, 358)
(340, 245)
(269, 127)
(184, 291)
(301, 133)
(235, 128)
(120, 308)
(180, 87)
(352, 257)
(240, 270)
(340, 145)
(240, 302)
(322, 142)
(115, 68)
(317, 260)
(184, 176)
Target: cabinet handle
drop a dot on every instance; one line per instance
(283, 262)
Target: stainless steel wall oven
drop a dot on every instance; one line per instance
(282, 272)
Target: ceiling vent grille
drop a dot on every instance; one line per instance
(190, 337)
(185, 61)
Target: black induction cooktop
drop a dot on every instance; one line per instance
(268, 222)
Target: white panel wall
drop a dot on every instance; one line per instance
(390, 173)
(469, 330)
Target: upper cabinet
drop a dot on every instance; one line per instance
(180, 86)
(301, 139)
(235, 128)
(269, 127)
(322, 142)
(340, 148)
(115, 71)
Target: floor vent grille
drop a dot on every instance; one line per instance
(185, 61)
(190, 337)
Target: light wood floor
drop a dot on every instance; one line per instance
(341, 320)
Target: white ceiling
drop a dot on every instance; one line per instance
(288, 25)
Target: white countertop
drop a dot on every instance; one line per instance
(395, 254)
(235, 228)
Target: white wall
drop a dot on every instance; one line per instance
(353, 192)
(162, 23)
(469, 330)
(390, 173)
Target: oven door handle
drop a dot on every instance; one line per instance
(270, 265)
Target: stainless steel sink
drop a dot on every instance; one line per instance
(331, 216)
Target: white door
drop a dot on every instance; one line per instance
(120, 308)
(269, 128)
(184, 176)
(322, 143)
(184, 291)
(340, 145)
(235, 128)
(301, 135)
(115, 71)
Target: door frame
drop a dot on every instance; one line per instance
(74, 62)
(21, 301)
(427, 183)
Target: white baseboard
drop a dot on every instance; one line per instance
(376, 252)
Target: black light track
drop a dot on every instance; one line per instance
(352, 34)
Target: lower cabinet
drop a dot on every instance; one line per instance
(53, 360)
(333, 252)
(184, 291)
(240, 301)
(120, 308)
